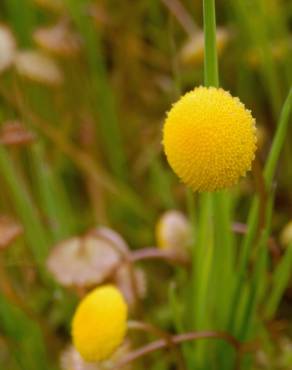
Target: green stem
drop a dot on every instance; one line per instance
(221, 200)
(210, 60)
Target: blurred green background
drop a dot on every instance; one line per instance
(84, 87)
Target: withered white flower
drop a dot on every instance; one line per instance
(9, 231)
(131, 282)
(38, 67)
(58, 39)
(87, 260)
(7, 48)
(70, 359)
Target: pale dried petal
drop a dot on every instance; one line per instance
(13, 133)
(71, 360)
(38, 67)
(9, 231)
(59, 40)
(131, 282)
(85, 261)
(112, 237)
(7, 48)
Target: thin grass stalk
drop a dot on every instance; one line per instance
(36, 235)
(102, 95)
(280, 280)
(82, 160)
(53, 201)
(261, 43)
(259, 276)
(26, 335)
(176, 311)
(252, 222)
(23, 19)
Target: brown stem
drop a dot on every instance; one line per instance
(274, 248)
(137, 325)
(177, 339)
(180, 13)
(155, 253)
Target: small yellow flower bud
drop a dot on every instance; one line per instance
(286, 234)
(209, 139)
(99, 324)
(192, 52)
(173, 231)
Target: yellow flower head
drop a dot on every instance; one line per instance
(99, 324)
(209, 139)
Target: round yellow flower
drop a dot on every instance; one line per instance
(209, 139)
(99, 324)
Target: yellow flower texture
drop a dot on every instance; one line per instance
(209, 139)
(100, 323)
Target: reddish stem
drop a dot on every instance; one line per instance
(275, 250)
(155, 253)
(177, 339)
(138, 325)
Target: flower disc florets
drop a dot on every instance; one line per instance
(209, 139)
(99, 324)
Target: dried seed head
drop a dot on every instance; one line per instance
(132, 283)
(13, 133)
(99, 324)
(9, 231)
(173, 231)
(112, 237)
(286, 235)
(86, 261)
(7, 48)
(193, 51)
(71, 359)
(59, 40)
(209, 139)
(38, 67)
